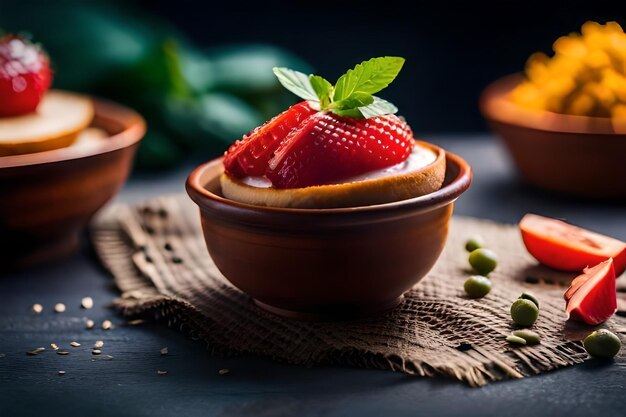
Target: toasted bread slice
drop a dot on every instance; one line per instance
(384, 189)
(59, 119)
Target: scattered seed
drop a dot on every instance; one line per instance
(515, 339)
(136, 322)
(163, 213)
(106, 325)
(98, 344)
(529, 336)
(96, 352)
(164, 351)
(37, 308)
(86, 303)
(54, 346)
(35, 352)
(148, 259)
(63, 352)
(74, 344)
(59, 307)
(168, 246)
(61, 372)
(90, 324)
(223, 371)
(162, 372)
(107, 357)
(177, 259)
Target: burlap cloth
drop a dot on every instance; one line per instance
(157, 256)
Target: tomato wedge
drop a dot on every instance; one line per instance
(565, 247)
(592, 297)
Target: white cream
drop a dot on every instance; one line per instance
(418, 159)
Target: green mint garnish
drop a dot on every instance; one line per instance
(352, 94)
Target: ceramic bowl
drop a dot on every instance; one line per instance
(48, 197)
(575, 155)
(326, 263)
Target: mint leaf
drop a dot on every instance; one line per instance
(368, 77)
(296, 82)
(378, 108)
(323, 88)
(357, 99)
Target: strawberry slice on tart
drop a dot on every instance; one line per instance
(341, 147)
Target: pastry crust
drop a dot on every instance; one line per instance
(381, 190)
(59, 119)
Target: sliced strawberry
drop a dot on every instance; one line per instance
(592, 298)
(250, 156)
(25, 75)
(327, 147)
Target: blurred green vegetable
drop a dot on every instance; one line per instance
(194, 100)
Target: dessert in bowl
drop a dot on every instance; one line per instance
(329, 210)
(62, 157)
(564, 121)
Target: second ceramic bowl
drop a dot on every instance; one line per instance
(576, 155)
(326, 263)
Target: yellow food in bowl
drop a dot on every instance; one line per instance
(586, 76)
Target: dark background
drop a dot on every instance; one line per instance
(453, 49)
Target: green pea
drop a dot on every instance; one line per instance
(531, 297)
(524, 312)
(515, 339)
(602, 344)
(529, 336)
(477, 286)
(473, 243)
(483, 261)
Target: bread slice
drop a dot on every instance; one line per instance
(384, 189)
(59, 119)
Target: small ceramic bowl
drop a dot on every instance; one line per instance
(326, 263)
(48, 197)
(576, 155)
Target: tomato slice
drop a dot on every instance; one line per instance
(592, 298)
(565, 247)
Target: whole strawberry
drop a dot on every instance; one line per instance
(25, 75)
(340, 131)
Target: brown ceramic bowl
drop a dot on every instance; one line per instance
(326, 263)
(576, 155)
(48, 197)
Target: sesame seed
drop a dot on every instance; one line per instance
(136, 322)
(35, 352)
(96, 352)
(98, 344)
(37, 308)
(223, 371)
(63, 352)
(106, 325)
(59, 307)
(107, 357)
(162, 372)
(54, 346)
(164, 351)
(61, 372)
(74, 344)
(90, 324)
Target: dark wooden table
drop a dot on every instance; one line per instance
(128, 385)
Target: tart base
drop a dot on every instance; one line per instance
(59, 119)
(382, 190)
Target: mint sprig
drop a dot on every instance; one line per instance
(352, 94)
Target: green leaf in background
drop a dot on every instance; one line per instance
(368, 77)
(378, 108)
(323, 88)
(296, 82)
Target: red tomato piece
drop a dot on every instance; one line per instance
(565, 247)
(592, 298)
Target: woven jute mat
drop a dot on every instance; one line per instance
(156, 253)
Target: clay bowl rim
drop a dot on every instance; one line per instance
(134, 129)
(496, 106)
(445, 195)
